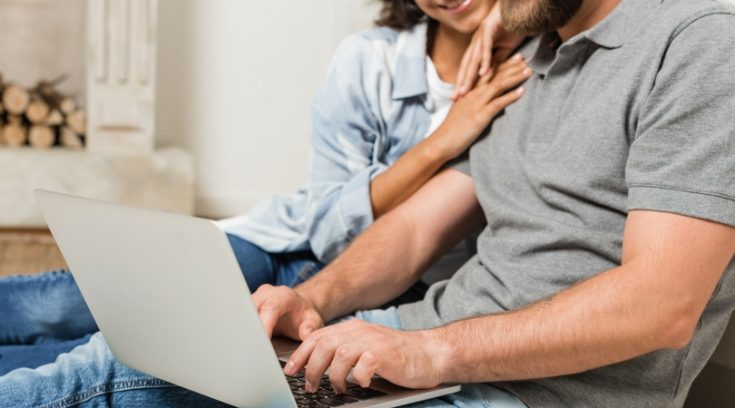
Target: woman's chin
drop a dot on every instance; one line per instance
(466, 26)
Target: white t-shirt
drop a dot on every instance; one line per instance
(439, 101)
(439, 98)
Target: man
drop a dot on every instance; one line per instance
(604, 275)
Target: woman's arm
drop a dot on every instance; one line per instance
(349, 187)
(466, 120)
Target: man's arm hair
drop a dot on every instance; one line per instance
(671, 265)
(393, 253)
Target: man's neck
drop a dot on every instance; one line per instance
(591, 13)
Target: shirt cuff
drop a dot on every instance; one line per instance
(355, 204)
(712, 207)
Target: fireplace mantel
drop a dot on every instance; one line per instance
(111, 66)
(121, 72)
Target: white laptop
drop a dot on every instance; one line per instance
(168, 295)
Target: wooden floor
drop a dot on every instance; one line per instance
(24, 252)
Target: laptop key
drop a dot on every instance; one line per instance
(345, 398)
(331, 402)
(325, 396)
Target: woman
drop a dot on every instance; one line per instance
(383, 124)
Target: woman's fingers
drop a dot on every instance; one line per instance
(473, 68)
(511, 62)
(502, 54)
(505, 80)
(487, 77)
(498, 104)
(461, 73)
(488, 31)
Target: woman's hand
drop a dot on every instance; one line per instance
(472, 113)
(489, 43)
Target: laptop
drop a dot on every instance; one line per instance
(168, 295)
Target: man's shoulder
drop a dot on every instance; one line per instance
(675, 16)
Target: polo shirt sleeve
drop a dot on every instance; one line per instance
(461, 163)
(682, 159)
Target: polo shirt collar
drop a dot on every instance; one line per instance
(611, 33)
(410, 69)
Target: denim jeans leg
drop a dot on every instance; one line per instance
(13, 357)
(257, 266)
(47, 306)
(295, 268)
(89, 376)
(260, 267)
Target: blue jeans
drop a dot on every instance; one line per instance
(260, 267)
(44, 315)
(89, 376)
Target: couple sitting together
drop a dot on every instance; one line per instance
(599, 174)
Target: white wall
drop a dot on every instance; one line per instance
(235, 82)
(43, 39)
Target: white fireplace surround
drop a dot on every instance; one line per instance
(121, 72)
(109, 58)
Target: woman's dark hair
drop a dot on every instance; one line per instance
(399, 14)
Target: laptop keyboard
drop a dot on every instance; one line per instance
(325, 395)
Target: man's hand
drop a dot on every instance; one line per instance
(490, 43)
(285, 312)
(408, 359)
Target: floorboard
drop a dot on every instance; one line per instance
(25, 252)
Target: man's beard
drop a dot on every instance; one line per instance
(533, 17)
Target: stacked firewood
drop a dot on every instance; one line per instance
(41, 116)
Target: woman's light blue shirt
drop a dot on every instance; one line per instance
(372, 109)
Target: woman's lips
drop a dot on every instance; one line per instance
(456, 7)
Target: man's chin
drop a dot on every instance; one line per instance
(530, 18)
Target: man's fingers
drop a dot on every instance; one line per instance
(269, 315)
(267, 307)
(309, 325)
(261, 295)
(345, 357)
(300, 356)
(365, 368)
(320, 359)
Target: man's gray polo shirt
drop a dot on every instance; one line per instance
(636, 113)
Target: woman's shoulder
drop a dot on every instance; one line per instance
(378, 46)
(365, 46)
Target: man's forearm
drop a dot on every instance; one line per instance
(387, 258)
(670, 267)
(607, 319)
(377, 267)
